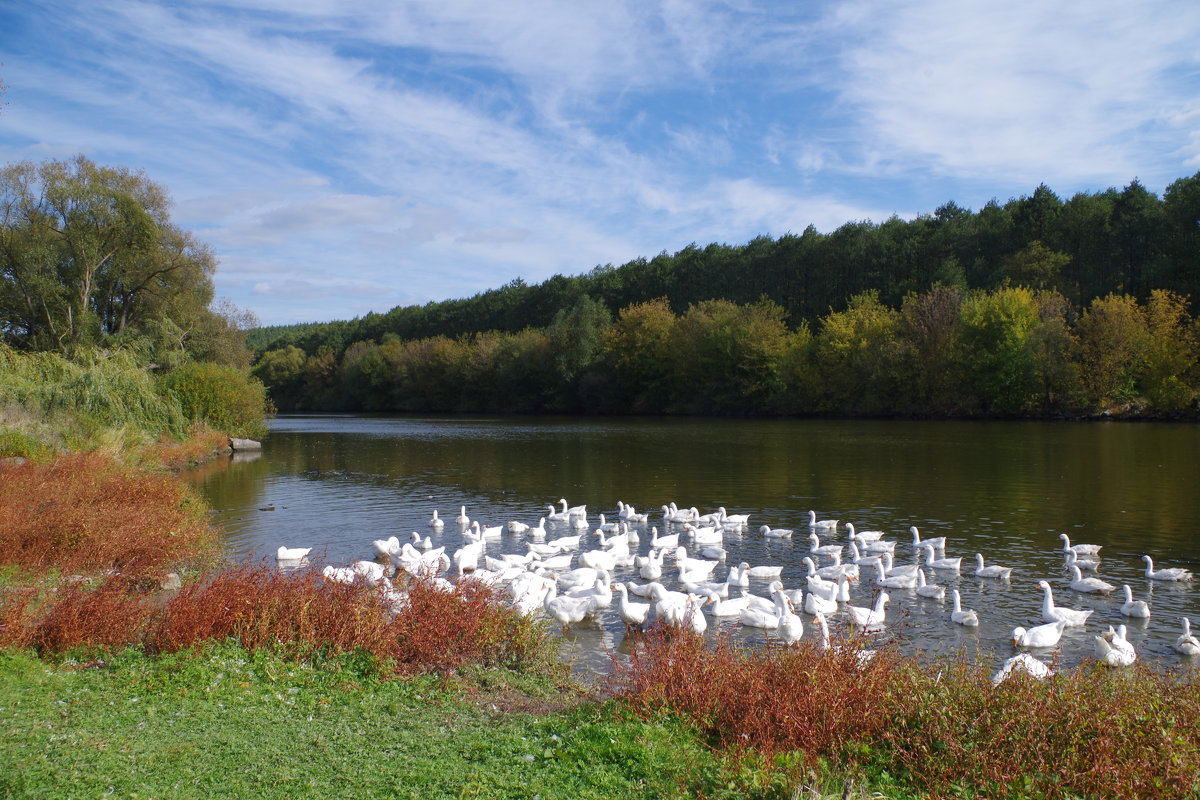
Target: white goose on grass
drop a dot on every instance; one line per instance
(1046, 635)
(821, 524)
(1113, 649)
(865, 536)
(1169, 574)
(1139, 609)
(1053, 613)
(870, 618)
(1079, 549)
(967, 618)
(929, 590)
(632, 614)
(994, 571)
(1089, 585)
(1021, 664)
(1187, 644)
(298, 553)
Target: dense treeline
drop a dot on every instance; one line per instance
(107, 320)
(1126, 242)
(1012, 350)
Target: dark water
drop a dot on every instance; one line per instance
(1003, 489)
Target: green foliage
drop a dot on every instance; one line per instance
(996, 334)
(1086, 247)
(225, 398)
(50, 401)
(855, 352)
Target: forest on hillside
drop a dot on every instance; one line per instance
(1126, 241)
(1037, 306)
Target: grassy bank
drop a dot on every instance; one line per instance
(222, 722)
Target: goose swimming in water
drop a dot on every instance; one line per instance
(1089, 585)
(1113, 649)
(1053, 613)
(958, 616)
(1187, 644)
(1170, 574)
(1046, 635)
(821, 524)
(1139, 609)
(993, 571)
(1079, 549)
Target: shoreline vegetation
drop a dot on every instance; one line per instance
(135, 660)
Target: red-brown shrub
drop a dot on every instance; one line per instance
(778, 698)
(110, 615)
(261, 606)
(85, 513)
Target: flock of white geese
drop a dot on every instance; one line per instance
(567, 567)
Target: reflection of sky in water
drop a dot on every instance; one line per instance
(1002, 489)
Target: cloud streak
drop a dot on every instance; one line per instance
(347, 157)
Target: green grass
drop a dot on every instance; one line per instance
(222, 723)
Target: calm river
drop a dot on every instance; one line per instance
(1003, 489)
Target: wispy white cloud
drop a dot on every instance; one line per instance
(348, 156)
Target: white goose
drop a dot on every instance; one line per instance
(1170, 574)
(705, 535)
(865, 536)
(1134, 608)
(754, 616)
(895, 581)
(877, 546)
(1021, 663)
(462, 519)
(389, 547)
(930, 590)
(815, 546)
(650, 566)
(567, 610)
(436, 521)
(993, 571)
(1089, 585)
(1113, 649)
(573, 511)
(516, 527)
(821, 524)
(1187, 644)
(539, 532)
(958, 616)
(671, 541)
(740, 575)
(733, 520)
(775, 533)
(1073, 560)
(421, 543)
(1053, 613)
(557, 516)
(693, 566)
(1079, 549)
(732, 607)
(790, 628)
(861, 560)
(870, 617)
(948, 564)
(937, 542)
(300, 553)
(815, 603)
(1046, 635)
(632, 614)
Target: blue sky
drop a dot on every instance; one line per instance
(346, 156)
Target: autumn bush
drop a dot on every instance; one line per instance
(941, 729)
(86, 512)
(220, 396)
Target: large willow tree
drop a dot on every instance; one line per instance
(88, 253)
